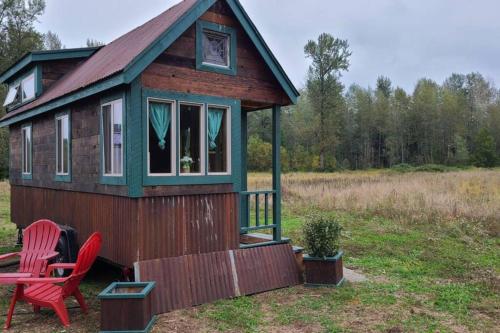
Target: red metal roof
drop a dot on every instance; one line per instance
(111, 59)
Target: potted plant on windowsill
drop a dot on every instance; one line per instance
(186, 163)
(323, 263)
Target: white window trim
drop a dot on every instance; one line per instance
(112, 104)
(228, 49)
(202, 140)
(61, 117)
(32, 75)
(25, 151)
(228, 141)
(173, 137)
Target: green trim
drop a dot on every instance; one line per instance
(334, 258)
(107, 293)
(264, 50)
(105, 179)
(276, 129)
(321, 285)
(146, 57)
(60, 102)
(205, 178)
(243, 211)
(134, 140)
(200, 65)
(38, 82)
(64, 178)
(38, 56)
(148, 328)
(27, 176)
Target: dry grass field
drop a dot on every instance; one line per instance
(428, 242)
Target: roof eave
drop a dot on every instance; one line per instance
(39, 56)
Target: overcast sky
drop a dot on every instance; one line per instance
(402, 39)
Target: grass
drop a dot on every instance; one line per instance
(428, 243)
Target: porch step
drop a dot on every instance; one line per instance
(258, 239)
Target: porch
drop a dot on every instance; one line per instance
(260, 209)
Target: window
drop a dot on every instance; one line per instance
(218, 136)
(215, 48)
(63, 142)
(28, 88)
(13, 96)
(160, 134)
(112, 138)
(190, 144)
(26, 150)
(21, 91)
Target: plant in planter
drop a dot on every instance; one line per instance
(323, 263)
(186, 163)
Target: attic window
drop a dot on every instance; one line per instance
(12, 95)
(216, 48)
(28, 88)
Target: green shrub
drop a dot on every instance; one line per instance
(321, 235)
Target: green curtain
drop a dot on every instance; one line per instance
(214, 123)
(160, 115)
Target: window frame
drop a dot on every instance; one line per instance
(113, 179)
(202, 26)
(36, 72)
(228, 116)
(63, 177)
(202, 142)
(173, 137)
(26, 175)
(32, 74)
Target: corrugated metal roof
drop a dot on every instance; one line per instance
(111, 59)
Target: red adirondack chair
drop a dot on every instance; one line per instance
(39, 243)
(45, 292)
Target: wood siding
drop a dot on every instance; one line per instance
(85, 151)
(54, 70)
(136, 229)
(254, 84)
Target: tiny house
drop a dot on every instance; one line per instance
(145, 139)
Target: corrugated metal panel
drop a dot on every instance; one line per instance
(197, 279)
(112, 58)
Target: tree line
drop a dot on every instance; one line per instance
(455, 123)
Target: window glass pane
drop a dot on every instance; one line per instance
(217, 140)
(59, 145)
(26, 133)
(159, 140)
(11, 95)
(190, 160)
(215, 48)
(28, 87)
(106, 126)
(117, 138)
(28, 150)
(24, 150)
(65, 145)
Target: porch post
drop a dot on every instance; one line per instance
(244, 171)
(276, 172)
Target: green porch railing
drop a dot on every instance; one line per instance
(257, 205)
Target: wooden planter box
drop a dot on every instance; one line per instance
(127, 307)
(324, 271)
